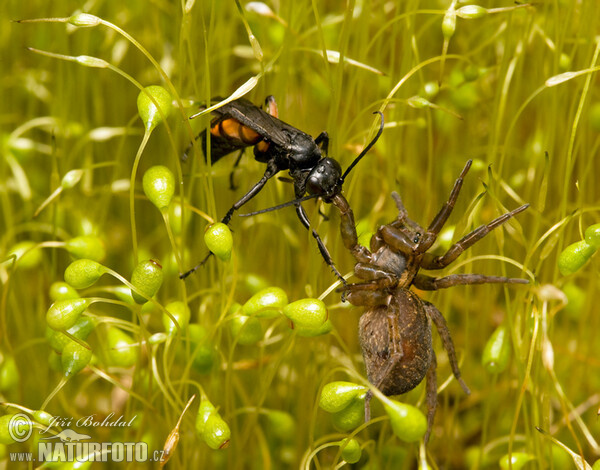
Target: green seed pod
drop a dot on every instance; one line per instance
(148, 110)
(282, 425)
(408, 423)
(54, 362)
(364, 231)
(266, 304)
(312, 332)
(574, 257)
(146, 278)
(42, 417)
(350, 417)
(596, 465)
(352, 452)
(10, 428)
(62, 291)
(219, 241)
(496, 353)
(246, 330)
(81, 330)
(63, 314)
(430, 89)
(176, 216)
(216, 432)
(449, 23)
(86, 246)
(306, 313)
(84, 20)
(180, 312)
(27, 254)
(74, 358)
(255, 283)
(592, 235)
(159, 186)
(471, 12)
(71, 178)
(120, 349)
(203, 352)
(157, 338)
(564, 62)
(336, 396)
(9, 374)
(517, 460)
(210, 427)
(83, 273)
(576, 298)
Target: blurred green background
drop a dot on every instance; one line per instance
(453, 82)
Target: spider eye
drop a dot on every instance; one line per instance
(417, 238)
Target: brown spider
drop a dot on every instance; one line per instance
(395, 331)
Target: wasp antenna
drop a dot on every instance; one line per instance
(280, 206)
(367, 148)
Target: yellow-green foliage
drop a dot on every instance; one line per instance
(511, 86)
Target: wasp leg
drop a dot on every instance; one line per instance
(439, 262)
(322, 141)
(322, 248)
(269, 173)
(434, 283)
(440, 323)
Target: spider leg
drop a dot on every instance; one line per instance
(348, 230)
(439, 262)
(431, 395)
(424, 282)
(368, 294)
(440, 323)
(442, 216)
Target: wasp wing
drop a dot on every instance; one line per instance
(241, 124)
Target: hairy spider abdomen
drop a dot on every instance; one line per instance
(396, 343)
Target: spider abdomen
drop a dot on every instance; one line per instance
(396, 343)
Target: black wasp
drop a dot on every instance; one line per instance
(240, 124)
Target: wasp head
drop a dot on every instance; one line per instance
(325, 179)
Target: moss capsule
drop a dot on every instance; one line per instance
(576, 298)
(408, 423)
(81, 330)
(592, 235)
(63, 314)
(148, 111)
(71, 178)
(219, 240)
(180, 312)
(147, 278)
(10, 427)
(266, 304)
(120, 349)
(86, 246)
(159, 186)
(282, 425)
(9, 374)
(74, 358)
(594, 116)
(517, 460)
(83, 273)
(27, 254)
(352, 452)
(210, 427)
(202, 349)
(337, 396)
(246, 330)
(325, 328)
(62, 291)
(306, 313)
(574, 257)
(350, 417)
(496, 353)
